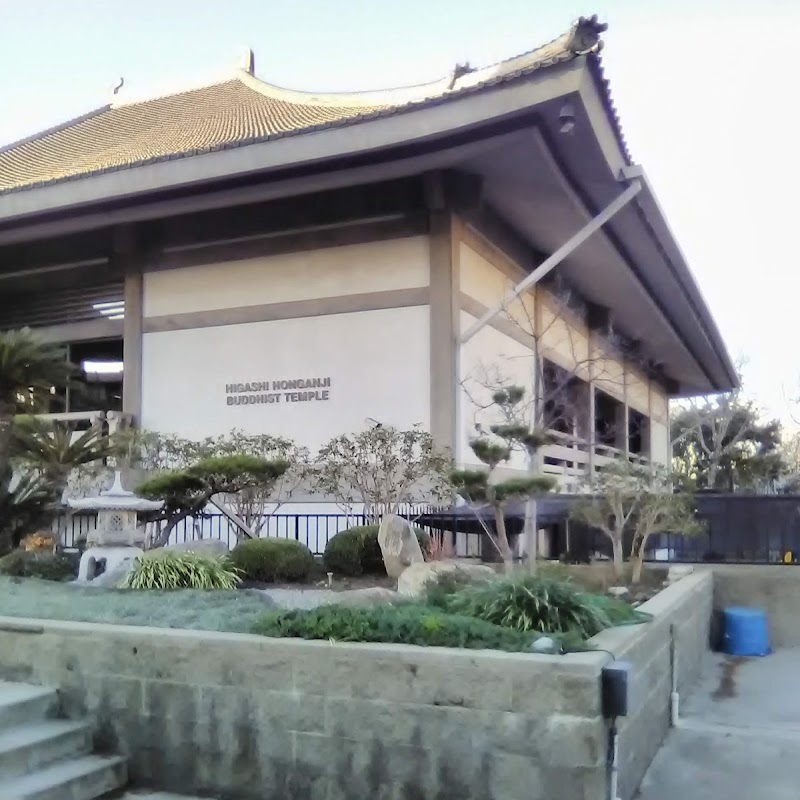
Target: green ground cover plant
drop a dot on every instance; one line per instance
(193, 609)
(402, 624)
(21, 563)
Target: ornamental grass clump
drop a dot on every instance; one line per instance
(172, 569)
(541, 604)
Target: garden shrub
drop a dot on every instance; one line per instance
(42, 542)
(541, 603)
(273, 560)
(356, 551)
(439, 589)
(174, 569)
(403, 624)
(48, 566)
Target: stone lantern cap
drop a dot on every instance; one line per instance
(115, 499)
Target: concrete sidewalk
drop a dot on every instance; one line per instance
(739, 735)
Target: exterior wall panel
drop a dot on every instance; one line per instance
(377, 363)
(308, 275)
(489, 357)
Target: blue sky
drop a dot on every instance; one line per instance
(705, 90)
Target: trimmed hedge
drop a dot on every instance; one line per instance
(273, 560)
(403, 624)
(356, 551)
(37, 564)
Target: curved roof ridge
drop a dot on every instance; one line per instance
(368, 98)
(582, 38)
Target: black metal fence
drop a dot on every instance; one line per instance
(313, 530)
(738, 529)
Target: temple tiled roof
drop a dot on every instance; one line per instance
(243, 110)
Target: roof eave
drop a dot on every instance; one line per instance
(606, 126)
(725, 372)
(433, 121)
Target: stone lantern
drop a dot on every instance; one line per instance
(118, 537)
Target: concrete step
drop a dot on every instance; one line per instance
(145, 794)
(34, 745)
(83, 778)
(21, 703)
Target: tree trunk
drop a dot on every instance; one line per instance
(711, 480)
(531, 528)
(502, 539)
(637, 561)
(163, 536)
(619, 560)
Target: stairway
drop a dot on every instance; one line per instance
(46, 758)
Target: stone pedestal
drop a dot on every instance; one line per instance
(118, 538)
(116, 562)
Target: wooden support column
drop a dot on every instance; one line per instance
(626, 413)
(597, 321)
(447, 193)
(444, 321)
(124, 257)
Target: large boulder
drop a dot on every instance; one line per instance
(399, 545)
(415, 579)
(205, 547)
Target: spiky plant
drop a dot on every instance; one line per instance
(173, 569)
(53, 449)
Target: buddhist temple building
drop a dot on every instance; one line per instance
(241, 255)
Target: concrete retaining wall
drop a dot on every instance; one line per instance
(246, 717)
(684, 611)
(774, 588)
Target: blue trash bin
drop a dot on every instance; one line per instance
(746, 632)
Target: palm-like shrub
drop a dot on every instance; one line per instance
(25, 504)
(54, 449)
(542, 604)
(174, 569)
(29, 369)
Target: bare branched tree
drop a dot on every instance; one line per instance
(722, 442)
(556, 406)
(383, 468)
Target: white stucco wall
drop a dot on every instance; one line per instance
(661, 450)
(378, 363)
(307, 275)
(489, 357)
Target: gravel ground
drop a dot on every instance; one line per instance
(184, 608)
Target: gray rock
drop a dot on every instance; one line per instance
(298, 599)
(399, 545)
(413, 580)
(618, 591)
(544, 644)
(676, 573)
(370, 596)
(114, 578)
(210, 547)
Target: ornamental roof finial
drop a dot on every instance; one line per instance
(585, 35)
